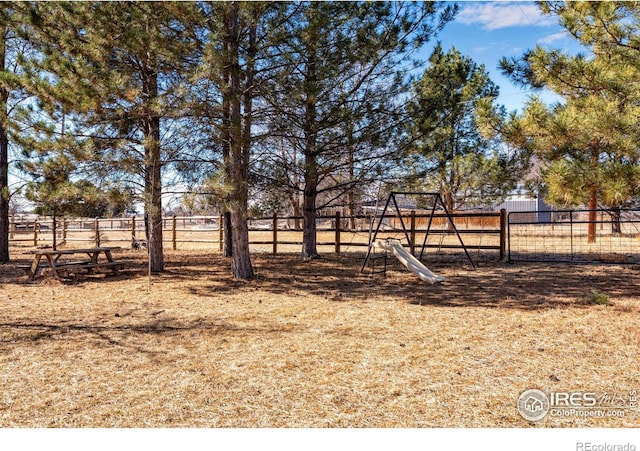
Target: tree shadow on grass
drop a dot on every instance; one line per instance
(123, 335)
(491, 285)
(332, 278)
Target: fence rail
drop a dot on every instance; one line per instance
(484, 231)
(516, 237)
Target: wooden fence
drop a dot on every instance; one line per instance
(482, 232)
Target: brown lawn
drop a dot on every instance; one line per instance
(312, 344)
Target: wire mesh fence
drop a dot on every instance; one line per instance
(580, 236)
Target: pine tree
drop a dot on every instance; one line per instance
(12, 50)
(340, 67)
(118, 67)
(4, 151)
(56, 194)
(238, 100)
(588, 142)
(446, 151)
(235, 49)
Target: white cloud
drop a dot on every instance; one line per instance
(549, 39)
(515, 51)
(495, 15)
(481, 49)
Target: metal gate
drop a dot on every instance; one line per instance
(570, 236)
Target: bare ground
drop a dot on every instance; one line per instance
(312, 344)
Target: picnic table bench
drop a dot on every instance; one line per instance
(58, 263)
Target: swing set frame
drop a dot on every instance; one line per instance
(391, 200)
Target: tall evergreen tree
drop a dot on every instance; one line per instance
(13, 50)
(117, 65)
(4, 149)
(339, 68)
(236, 42)
(588, 142)
(446, 151)
(8, 45)
(239, 25)
(56, 191)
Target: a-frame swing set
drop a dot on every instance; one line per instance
(392, 201)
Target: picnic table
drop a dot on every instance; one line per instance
(65, 260)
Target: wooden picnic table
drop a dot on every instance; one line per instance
(64, 260)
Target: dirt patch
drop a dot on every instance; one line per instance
(312, 344)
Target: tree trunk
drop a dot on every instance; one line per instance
(4, 163)
(239, 147)
(294, 197)
(295, 207)
(4, 195)
(55, 232)
(227, 247)
(616, 226)
(241, 262)
(4, 199)
(593, 196)
(153, 168)
(309, 248)
(447, 198)
(225, 134)
(153, 205)
(153, 194)
(309, 232)
(351, 194)
(352, 210)
(593, 205)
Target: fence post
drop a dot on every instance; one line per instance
(36, 226)
(338, 227)
(275, 233)
(503, 234)
(571, 231)
(64, 231)
(412, 236)
(133, 226)
(173, 233)
(221, 231)
(96, 227)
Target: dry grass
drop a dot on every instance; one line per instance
(311, 344)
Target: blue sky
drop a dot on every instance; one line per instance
(488, 31)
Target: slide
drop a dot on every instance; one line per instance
(413, 264)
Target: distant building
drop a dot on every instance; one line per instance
(539, 210)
